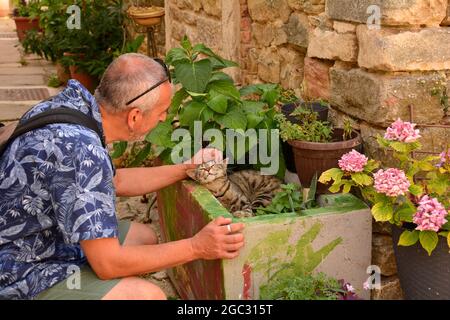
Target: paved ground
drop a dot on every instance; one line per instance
(20, 71)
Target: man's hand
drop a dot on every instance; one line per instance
(218, 240)
(205, 155)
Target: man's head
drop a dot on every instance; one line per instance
(126, 78)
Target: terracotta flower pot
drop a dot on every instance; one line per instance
(315, 157)
(287, 109)
(87, 80)
(25, 24)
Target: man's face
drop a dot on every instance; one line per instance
(158, 113)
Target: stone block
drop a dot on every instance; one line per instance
(390, 289)
(269, 66)
(392, 49)
(291, 69)
(298, 30)
(268, 10)
(446, 21)
(383, 254)
(321, 21)
(331, 45)
(316, 81)
(382, 98)
(212, 7)
(308, 6)
(344, 27)
(393, 12)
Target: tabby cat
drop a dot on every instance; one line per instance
(240, 192)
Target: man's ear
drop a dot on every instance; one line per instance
(192, 173)
(225, 161)
(134, 116)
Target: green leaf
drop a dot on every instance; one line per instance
(253, 106)
(141, 156)
(186, 44)
(226, 88)
(336, 187)
(248, 90)
(408, 238)
(347, 187)
(406, 212)
(439, 184)
(119, 149)
(217, 75)
(428, 240)
(383, 211)
(219, 103)
(176, 55)
(220, 63)
(235, 119)
(192, 112)
(177, 99)
(362, 179)
(399, 146)
(371, 165)
(448, 239)
(334, 173)
(194, 76)
(195, 94)
(161, 135)
(426, 166)
(253, 120)
(416, 190)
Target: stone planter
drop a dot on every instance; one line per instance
(335, 239)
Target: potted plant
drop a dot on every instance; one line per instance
(210, 97)
(146, 15)
(316, 145)
(103, 36)
(415, 198)
(289, 106)
(26, 17)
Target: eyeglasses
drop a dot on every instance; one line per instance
(168, 78)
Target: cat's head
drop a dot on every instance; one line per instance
(209, 171)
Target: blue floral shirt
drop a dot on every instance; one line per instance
(56, 190)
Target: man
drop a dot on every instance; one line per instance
(57, 197)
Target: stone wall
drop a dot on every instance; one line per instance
(372, 68)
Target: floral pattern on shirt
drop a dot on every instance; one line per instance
(56, 190)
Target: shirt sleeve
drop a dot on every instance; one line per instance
(85, 206)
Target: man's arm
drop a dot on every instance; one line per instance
(110, 260)
(132, 182)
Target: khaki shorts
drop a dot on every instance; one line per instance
(91, 287)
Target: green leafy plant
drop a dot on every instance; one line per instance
(54, 82)
(30, 8)
(310, 129)
(348, 130)
(209, 95)
(416, 195)
(291, 199)
(308, 287)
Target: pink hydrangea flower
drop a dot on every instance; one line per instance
(445, 158)
(353, 161)
(392, 182)
(402, 131)
(430, 215)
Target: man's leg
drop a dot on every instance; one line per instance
(134, 288)
(140, 234)
(92, 288)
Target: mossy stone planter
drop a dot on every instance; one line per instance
(335, 239)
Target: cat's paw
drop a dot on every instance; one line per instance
(243, 214)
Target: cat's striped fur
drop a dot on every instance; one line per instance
(241, 192)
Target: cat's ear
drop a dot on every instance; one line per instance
(192, 173)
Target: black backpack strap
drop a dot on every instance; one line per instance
(53, 116)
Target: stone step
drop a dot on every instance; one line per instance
(10, 111)
(21, 70)
(22, 80)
